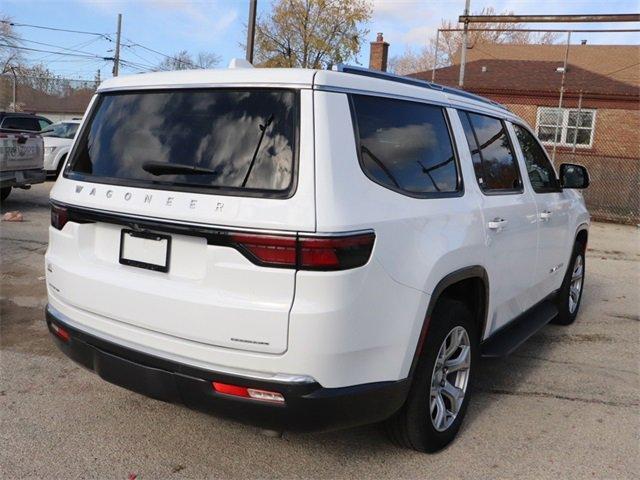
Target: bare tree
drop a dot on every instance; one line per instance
(10, 56)
(207, 60)
(183, 60)
(412, 61)
(449, 43)
(311, 33)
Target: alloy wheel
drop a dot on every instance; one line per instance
(449, 378)
(575, 287)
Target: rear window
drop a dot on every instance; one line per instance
(406, 146)
(212, 140)
(21, 123)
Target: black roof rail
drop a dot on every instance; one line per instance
(367, 72)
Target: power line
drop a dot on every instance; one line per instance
(184, 62)
(16, 24)
(74, 46)
(48, 45)
(56, 53)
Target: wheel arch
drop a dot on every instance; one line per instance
(582, 235)
(451, 285)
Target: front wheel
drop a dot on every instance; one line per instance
(439, 395)
(570, 294)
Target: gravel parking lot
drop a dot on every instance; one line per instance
(565, 405)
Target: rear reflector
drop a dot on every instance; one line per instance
(59, 217)
(255, 394)
(306, 253)
(60, 332)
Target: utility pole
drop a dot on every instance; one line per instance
(116, 57)
(560, 115)
(463, 47)
(251, 29)
(15, 80)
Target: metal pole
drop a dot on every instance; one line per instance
(251, 29)
(610, 17)
(14, 89)
(116, 57)
(564, 74)
(575, 137)
(435, 57)
(463, 47)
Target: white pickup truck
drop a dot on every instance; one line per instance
(21, 161)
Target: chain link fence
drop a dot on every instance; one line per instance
(582, 100)
(53, 97)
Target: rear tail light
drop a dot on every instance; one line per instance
(59, 216)
(60, 332)
(244, 392)
(306, 253)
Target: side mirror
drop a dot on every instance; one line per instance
(573, 176)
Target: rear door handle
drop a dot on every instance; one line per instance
(497, 224)
(546, 215)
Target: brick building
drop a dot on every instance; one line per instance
(599, 123)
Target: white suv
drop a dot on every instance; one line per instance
(305, 249)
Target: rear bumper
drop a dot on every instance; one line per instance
(307, 406)
(21, 178)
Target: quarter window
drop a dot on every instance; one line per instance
(541, 173)
(405, 146)
(568, 126)
(493, 160)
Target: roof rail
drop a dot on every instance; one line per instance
(368, 72)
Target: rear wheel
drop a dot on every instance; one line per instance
(439, 395)
(570, 295)
(4, 193)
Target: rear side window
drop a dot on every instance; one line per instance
(21, 123)
(242, 140)
(493, 159)
(541, 174)
(405, 146)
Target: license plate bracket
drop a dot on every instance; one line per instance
(148, 250)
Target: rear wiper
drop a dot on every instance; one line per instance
(162, 168)
(263, 129)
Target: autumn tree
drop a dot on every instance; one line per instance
(449, 43)
(183, 60)
(311, 33)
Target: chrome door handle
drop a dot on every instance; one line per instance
(497, 224)
(546, 215)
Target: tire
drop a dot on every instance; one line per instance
(414, 426)
(570, 294)
(4, 193)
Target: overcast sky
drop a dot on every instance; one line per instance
(219, 25)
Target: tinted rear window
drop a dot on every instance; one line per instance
(493, 159)
(21, 123)
(191, 139)
(405, 146)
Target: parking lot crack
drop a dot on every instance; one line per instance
(611, 403)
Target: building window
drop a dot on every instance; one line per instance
(567, 125)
